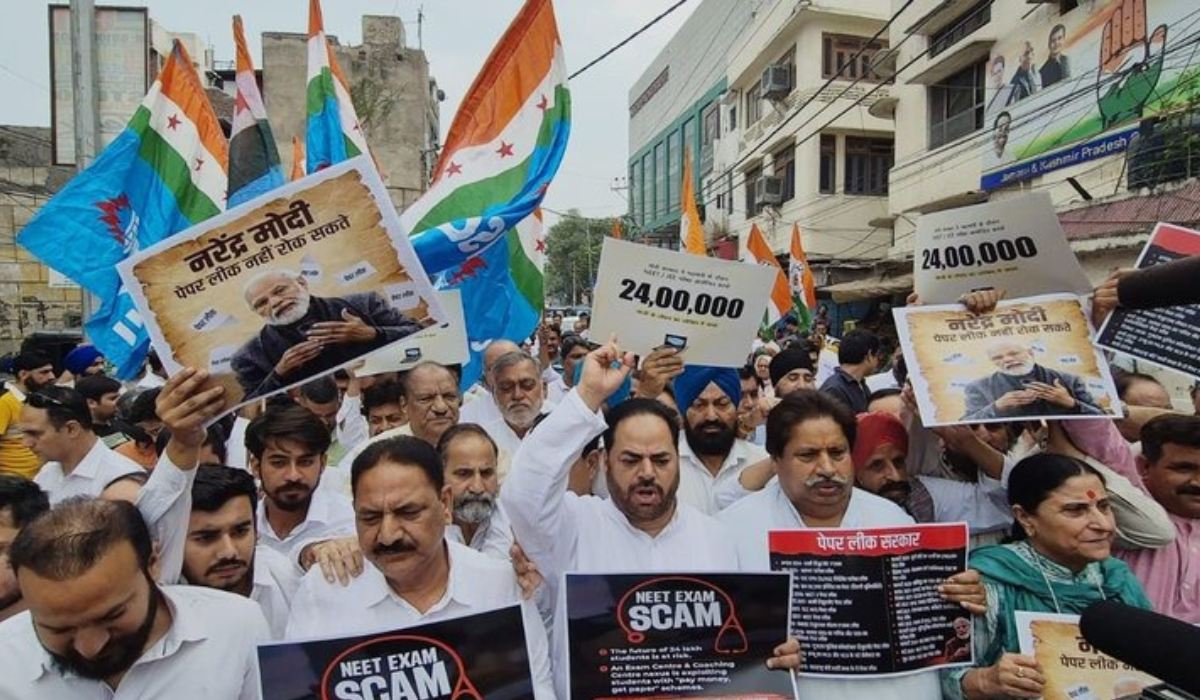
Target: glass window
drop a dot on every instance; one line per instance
(963, 26)
(838, 57)
(956, 105)
(751, 182)
(674, 161)
(828, 165)
(867, 164)
(647, 185)
(635, 194)
(785, 167)
(660, 180)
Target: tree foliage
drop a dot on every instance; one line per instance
(572, 257)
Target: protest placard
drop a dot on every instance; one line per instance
(1166, 337)
(1013, 244)
(465, 658)
(286, 287)
(1029, 358)
(651, 297)
(865, 601)
(677, 635)
(1073, 668)
(445, 343)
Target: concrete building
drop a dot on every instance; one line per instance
(396, 99)
(994, 100)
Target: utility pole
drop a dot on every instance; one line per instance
(85, 100)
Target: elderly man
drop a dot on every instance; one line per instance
(479, 407)
(99, 626)
(415, 574)
(33, 371)
(792, 369)
(519, 393)
(1020, 387)
(711, 452)
(57, 426)
(809, 438)
(469, 456)
(306, 335)
(642, 526)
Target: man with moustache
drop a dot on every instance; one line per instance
(286, 447)
(711, 452)
(222, 551)
(21, 501)
(519, 392)
(1021, 388)
(33, 371)
(642, 526)
(469, 456)
(415, 574)
(99, 626)
(306, 335)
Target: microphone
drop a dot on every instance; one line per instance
(1156, 644)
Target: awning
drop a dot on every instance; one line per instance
(869, 288)
(951, 62)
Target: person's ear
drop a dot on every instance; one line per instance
(447, 499)
(1025, 521)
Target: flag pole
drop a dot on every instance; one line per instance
(83, 92)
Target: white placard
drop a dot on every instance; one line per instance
(649, 297)
(1015, 244)
(445, 343)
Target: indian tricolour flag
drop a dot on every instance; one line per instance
(254, 167)
(800, 277)
(332, 132)
(780, 301)
(165, 172)
(503, 148)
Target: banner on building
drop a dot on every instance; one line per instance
(649, 297)
(690, 635)
(122, 47)
(1073, 668)
(1067, 88)
(286, 287)
(865, 601)
(1029, 358)
(471, 657)
(1166, 337)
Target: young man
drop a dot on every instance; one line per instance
(858, 358)
(101, 394)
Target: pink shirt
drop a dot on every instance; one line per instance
(1170, 574)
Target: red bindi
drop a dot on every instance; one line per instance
(1091, 494)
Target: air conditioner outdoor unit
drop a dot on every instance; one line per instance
(776, 82)
(768, 190)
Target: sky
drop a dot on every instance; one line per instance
(457, 36)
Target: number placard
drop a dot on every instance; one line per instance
(1015, 245)
(644, 294)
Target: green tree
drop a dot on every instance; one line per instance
(572, 257)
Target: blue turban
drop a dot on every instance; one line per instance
(78, 360)
(617, 397)
(692, 382)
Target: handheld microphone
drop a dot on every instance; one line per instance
(1156, 644)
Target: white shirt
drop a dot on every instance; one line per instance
(209, 651)
(477, 583)
(347, 461)
(751, 518)
(562, 532)
(98, 468)
(330, 516)
(556, 386)
(275, 583)
(235, 446)
(481, 408)
(351, 423)
(493, 539)
(165, 502)
(697, 485)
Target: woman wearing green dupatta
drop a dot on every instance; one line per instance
(1061, 563)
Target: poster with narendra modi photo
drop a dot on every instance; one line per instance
(1030, 358)
(1072, 667)
(286, 287)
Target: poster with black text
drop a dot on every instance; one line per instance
(677, 635)
(865, 600)
(466, 658)
(1166, 337)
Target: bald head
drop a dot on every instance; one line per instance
(495, 350)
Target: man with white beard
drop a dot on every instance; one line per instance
(469, 458)
(305, 335)
(519, 392)
(1022, 388)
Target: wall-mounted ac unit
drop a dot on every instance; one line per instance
(776, 82)
(768, 190)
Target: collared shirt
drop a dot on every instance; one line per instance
(275, 583)
(209, 651)
(347, 461)
(697, 485)
(494, 538)
(506, 439)
(15, 457)
(479, 406)
(477, 583)
(845, 388)
(751, 518)
(330, 516)
(563, 532)
(351, 423)
(98, 468)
